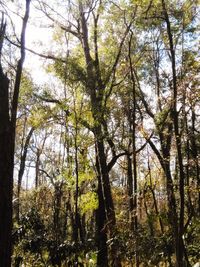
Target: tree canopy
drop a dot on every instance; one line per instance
(99, 133)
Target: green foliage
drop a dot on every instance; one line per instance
(70, 122)
(88, 202)
(162, 118)
(192, 239)
(38, 245)
(30, 238)
(27, 89)
(71, 71)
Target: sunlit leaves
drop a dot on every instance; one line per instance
(88, 202)
(38, 116)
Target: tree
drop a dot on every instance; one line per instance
(8, 117)
(114, 151)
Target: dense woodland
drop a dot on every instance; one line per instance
(99, 133)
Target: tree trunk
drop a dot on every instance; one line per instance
(6, 174)
(108, 201)
(101, 233)
(172, 209)
(174, 218)
(7, 145)
(95, 88)
(130, 191)
(195, 153)
(37, 168)
(133, 115)
(149, 220)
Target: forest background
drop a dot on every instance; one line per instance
(99, 133)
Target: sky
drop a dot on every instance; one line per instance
(38, 39)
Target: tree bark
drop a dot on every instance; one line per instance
(101, 233)
(195, 156)
(134, 148)
(95, 88)
(130, 191)
(180, 246)
(6, 174)
(7, 146)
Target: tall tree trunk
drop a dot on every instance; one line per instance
(58, 192)
(173, 217)
(76, 186)
(164, 159)
(134, 148)
(7, 146)
(6, 170)
(195, 153)
(130, 191)
(95, 89)
(101, 233)
(6, 174)
(108, 201)
(37, 168)
(149, 220)
(180, 245)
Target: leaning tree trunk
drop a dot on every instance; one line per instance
(7, 145)
(6, 174)
(5, 165)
